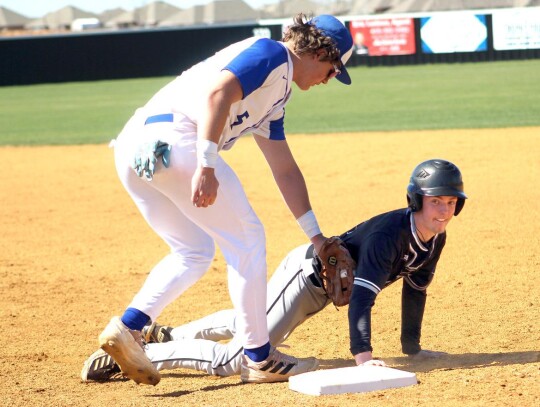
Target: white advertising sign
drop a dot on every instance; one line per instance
(516, 29)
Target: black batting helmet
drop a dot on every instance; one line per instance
(435, 178)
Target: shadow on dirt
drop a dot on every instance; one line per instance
(180, 393)
(448, 362)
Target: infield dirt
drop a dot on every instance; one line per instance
(75, 250)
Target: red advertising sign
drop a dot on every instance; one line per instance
(383, 36)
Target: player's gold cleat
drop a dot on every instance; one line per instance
(155, 333)
(125, 347)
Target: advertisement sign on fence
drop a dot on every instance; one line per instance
(516, 29)
(453, 32)
(383, 36)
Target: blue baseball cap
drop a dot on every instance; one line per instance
(333, 28)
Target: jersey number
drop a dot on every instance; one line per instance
(240, 119)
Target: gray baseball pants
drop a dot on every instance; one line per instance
(292, 298)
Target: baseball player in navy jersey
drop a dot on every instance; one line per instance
(402, 244)
(167, 158)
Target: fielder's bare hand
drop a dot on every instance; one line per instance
(204, 187)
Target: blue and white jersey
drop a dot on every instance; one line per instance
(264, 70)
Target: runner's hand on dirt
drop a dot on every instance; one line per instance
(374, 362)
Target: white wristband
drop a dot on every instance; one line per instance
(308, 223)
(207, 153)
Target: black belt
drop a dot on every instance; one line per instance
(314, 277)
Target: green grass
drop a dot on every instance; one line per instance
(71, 113)
(436, 96)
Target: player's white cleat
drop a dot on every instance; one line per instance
(125, 347)
(100, 367)
(277, 367)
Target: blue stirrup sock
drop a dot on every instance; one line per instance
(134, 319)
(258, 354)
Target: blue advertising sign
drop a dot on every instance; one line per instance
(453, 32)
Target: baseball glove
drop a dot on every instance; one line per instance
(337, 270)
(146, 157)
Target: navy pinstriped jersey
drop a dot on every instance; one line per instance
(387, 248)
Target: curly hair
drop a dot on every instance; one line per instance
(308, 39)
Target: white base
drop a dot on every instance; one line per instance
(355, 379)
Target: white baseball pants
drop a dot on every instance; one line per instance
(190, 232)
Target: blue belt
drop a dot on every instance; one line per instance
(160, 118)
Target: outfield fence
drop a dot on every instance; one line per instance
(439, 37)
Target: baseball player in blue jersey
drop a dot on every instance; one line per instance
(197, 200)
(401, 244)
